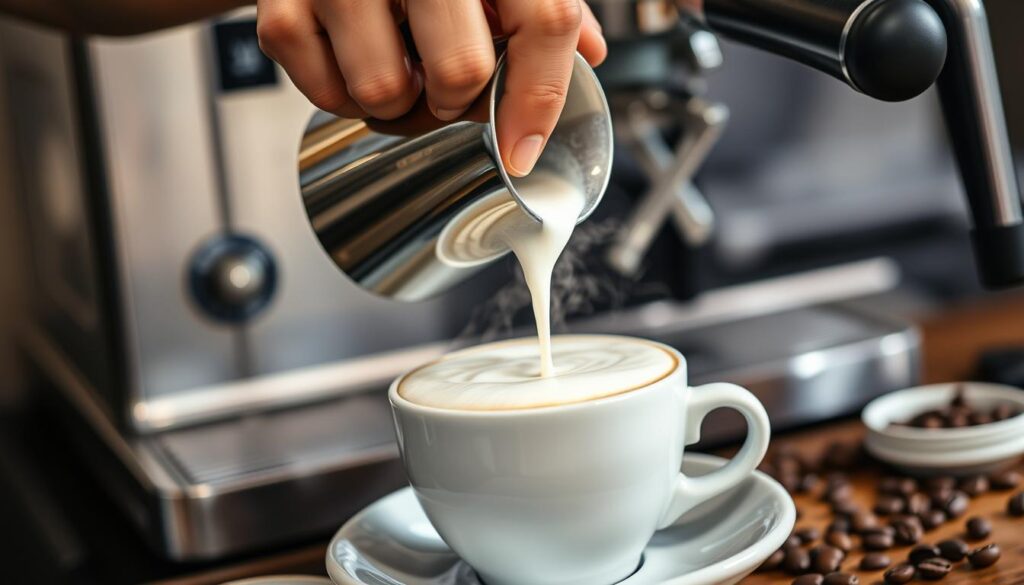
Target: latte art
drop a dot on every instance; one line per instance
(505, 375)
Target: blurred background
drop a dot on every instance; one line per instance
(189, 386)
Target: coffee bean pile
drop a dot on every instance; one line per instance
(960, 414)
(904, 511)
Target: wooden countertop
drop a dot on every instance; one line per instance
(952, 342)
(1007, 532)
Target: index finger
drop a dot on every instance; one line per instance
(543, 35)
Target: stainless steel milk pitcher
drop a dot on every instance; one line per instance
(407, 217)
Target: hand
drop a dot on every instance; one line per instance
(348, 58)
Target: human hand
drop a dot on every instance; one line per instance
(348, 57)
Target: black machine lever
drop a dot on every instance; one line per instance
(891, 50)
(894, 50)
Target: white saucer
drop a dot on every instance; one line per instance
(391, 542)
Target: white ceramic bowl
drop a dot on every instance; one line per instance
(959, 451)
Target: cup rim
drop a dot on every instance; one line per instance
(679, 369)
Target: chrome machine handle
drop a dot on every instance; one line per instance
(892, 50)
(671, 190)
(889, 49)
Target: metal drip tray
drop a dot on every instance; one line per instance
(349, 432)
(270, 478)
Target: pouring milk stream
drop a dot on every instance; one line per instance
(557, 202)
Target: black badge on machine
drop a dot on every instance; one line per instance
(240, 62)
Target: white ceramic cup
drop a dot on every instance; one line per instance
(569, 494)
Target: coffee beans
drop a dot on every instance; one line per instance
(840, 540)
(774, 561)
(939, 496)
(840, 524)
(839, 455)
(1005, 480)
(808, 534)
(864, 521)
(1003, 412)
(876, 541)
(953, 550)
(940, 482)
(797, 562)
(975, 486)
(897, 486)
(826, 559)
(956, 504)
(900, 574)
(923, 552)
(1015, 507)
(959, 397)
(978, 528)
(908, 530)
(840, 579)
(980, 418)
(985, 556)
(887, 485)
(932, 519)
(918, 504)
(887, 505)
(845, 508)
(875, 562)
(934, 569)
(807, 483)
(959, 413)
(837, 492)
(903, 510)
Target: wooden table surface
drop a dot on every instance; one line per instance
(952, 341)
(1007, 532)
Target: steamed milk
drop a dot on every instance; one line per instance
(557, 203)
(508, 375)
(503, 375)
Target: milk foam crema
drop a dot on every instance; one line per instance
(505, 375)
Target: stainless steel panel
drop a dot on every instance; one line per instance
(357, 374)
(153, 99)
(64, 292)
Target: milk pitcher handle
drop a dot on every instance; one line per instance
(688, 492)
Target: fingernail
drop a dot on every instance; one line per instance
(525, 154)
(448, 115)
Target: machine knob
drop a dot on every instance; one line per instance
(891, 50)
(895, 49)
(232, 278)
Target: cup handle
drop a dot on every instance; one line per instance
(691, 491)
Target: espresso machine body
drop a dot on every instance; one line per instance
(206, 348)
(228, 381)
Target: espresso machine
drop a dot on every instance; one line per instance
(228, 383)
